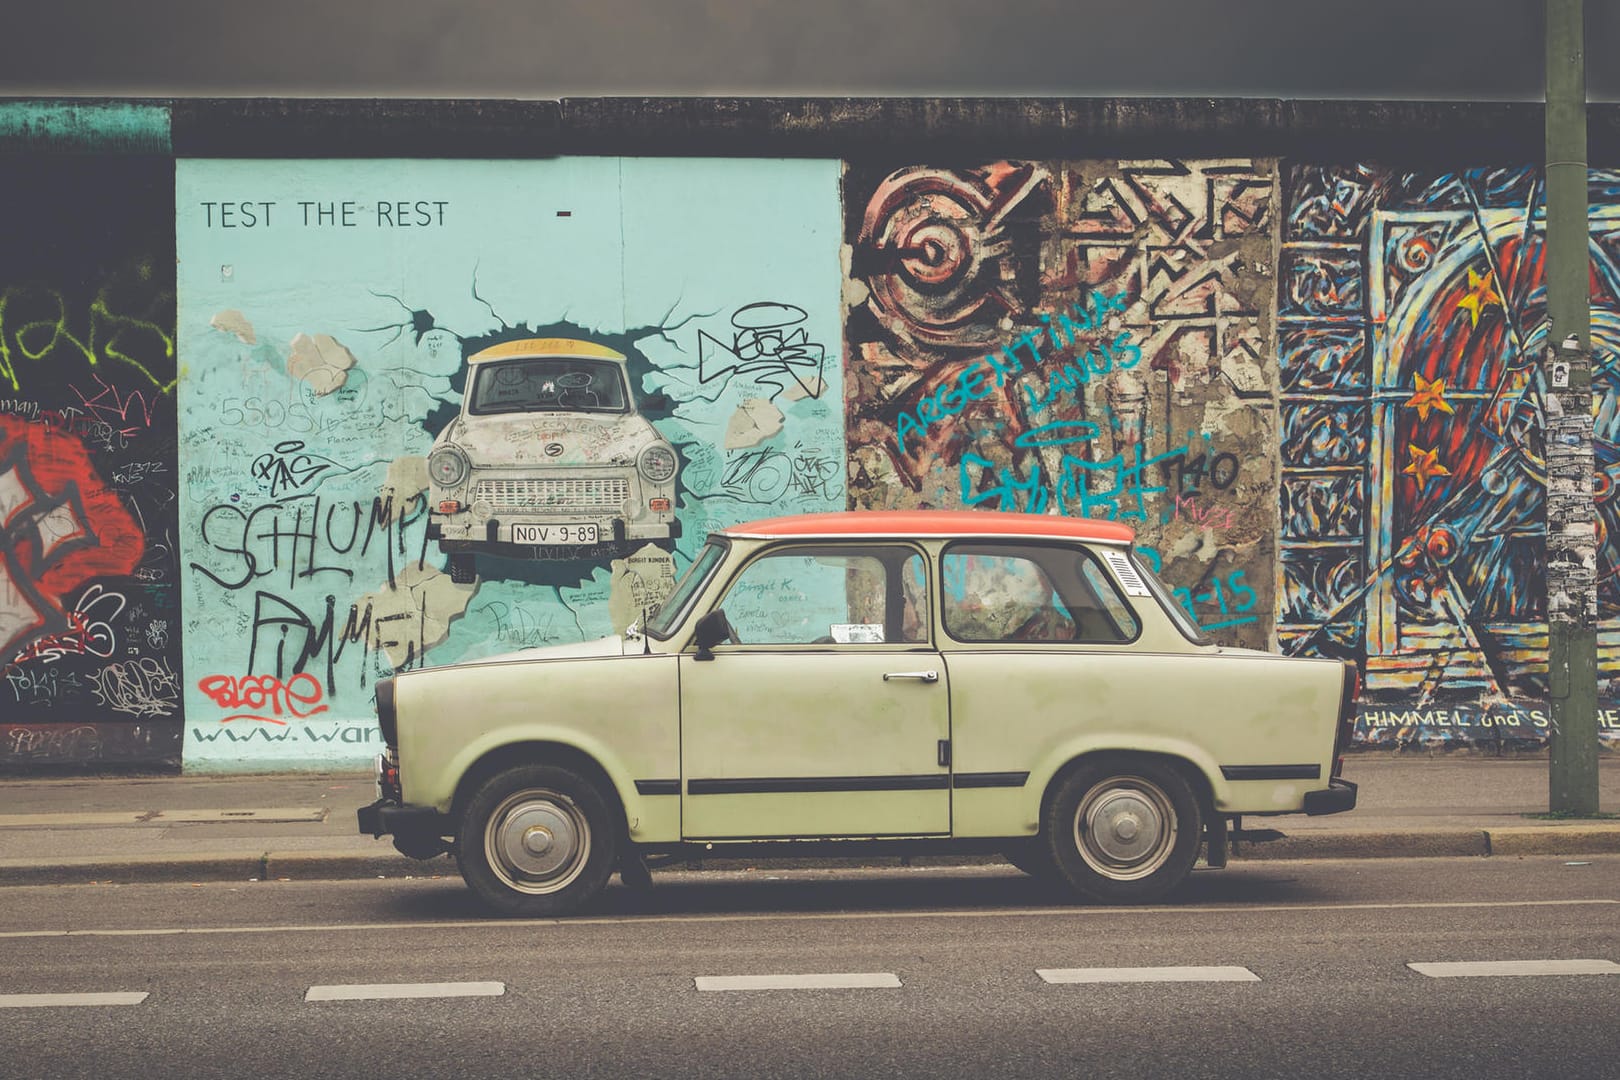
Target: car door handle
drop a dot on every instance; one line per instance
(925, 676)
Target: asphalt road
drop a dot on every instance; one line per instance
(1313, 958)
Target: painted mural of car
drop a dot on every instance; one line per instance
(867, 683)
(550, 458)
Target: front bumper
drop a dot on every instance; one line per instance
(418, 831)
(1339, 797)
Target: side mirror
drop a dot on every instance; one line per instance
(711, 630)
(657, 403)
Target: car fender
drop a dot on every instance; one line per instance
(1059, 757)
(640, 816)
(556, 698)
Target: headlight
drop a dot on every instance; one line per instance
(447, 466)
(657, 463)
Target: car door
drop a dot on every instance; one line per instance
(828, 715)
(1038, 641)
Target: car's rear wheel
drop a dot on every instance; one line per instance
(463, 568)
(537, 840)
(1123, 829)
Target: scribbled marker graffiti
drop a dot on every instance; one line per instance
(265, 698)
(144, 687)
(770, 345)
(763, 476)
(287, 468)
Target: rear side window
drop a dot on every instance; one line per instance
(1016, 592)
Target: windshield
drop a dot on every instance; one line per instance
(547, 384)
(670, 612)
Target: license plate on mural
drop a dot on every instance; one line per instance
(574, 533)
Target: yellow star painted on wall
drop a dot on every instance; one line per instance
(1424, 464)
(1480, 295)
(1429, 395)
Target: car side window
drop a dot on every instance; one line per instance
(1111, 618)
(830, 595)
(1011, 592)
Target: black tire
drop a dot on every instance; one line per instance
(1032, 857)
(537, 840)
(463, 569)
(1123, 829)
(633, 872)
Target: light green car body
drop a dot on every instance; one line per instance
(1255, 732)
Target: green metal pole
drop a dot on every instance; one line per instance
(1572, 775)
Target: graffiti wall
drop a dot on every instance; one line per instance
(273, 429)
(435, 410)
(90, 664)
(1083, 338)
(1411, 312)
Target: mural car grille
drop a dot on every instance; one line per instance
(601, 494)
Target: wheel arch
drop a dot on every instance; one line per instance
(540, 752)
(1203, 791)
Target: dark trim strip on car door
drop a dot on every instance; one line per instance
(772, 785)
(990, 779)
(1272, 772)
(658, 787)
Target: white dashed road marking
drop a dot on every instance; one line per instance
(394, 991)
(1517, 967)
(1147, 974)
(877, 980)
(36, 1001)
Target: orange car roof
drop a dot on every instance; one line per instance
(918, 523)
(552, 346)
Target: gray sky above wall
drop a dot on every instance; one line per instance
(1379, 49)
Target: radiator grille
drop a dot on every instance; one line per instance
(608, 494)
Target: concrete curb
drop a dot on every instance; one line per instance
(172, 869)
(1369, 844)
(105, 869)
(352, 865)
(1563, 838)
(1570, 838)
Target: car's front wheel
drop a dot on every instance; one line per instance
(536, 840)
(1123, 829)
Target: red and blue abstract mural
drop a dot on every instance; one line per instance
(1411, 318)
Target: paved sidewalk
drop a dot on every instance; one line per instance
(117, 829)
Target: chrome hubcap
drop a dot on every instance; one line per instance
(1125, 828)
(537, 841)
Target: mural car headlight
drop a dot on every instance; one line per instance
(657, 463)
(447, 466)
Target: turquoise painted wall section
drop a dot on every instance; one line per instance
(104, 126)
(326, 310)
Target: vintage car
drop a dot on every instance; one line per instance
(867, 682)
(549, 459)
